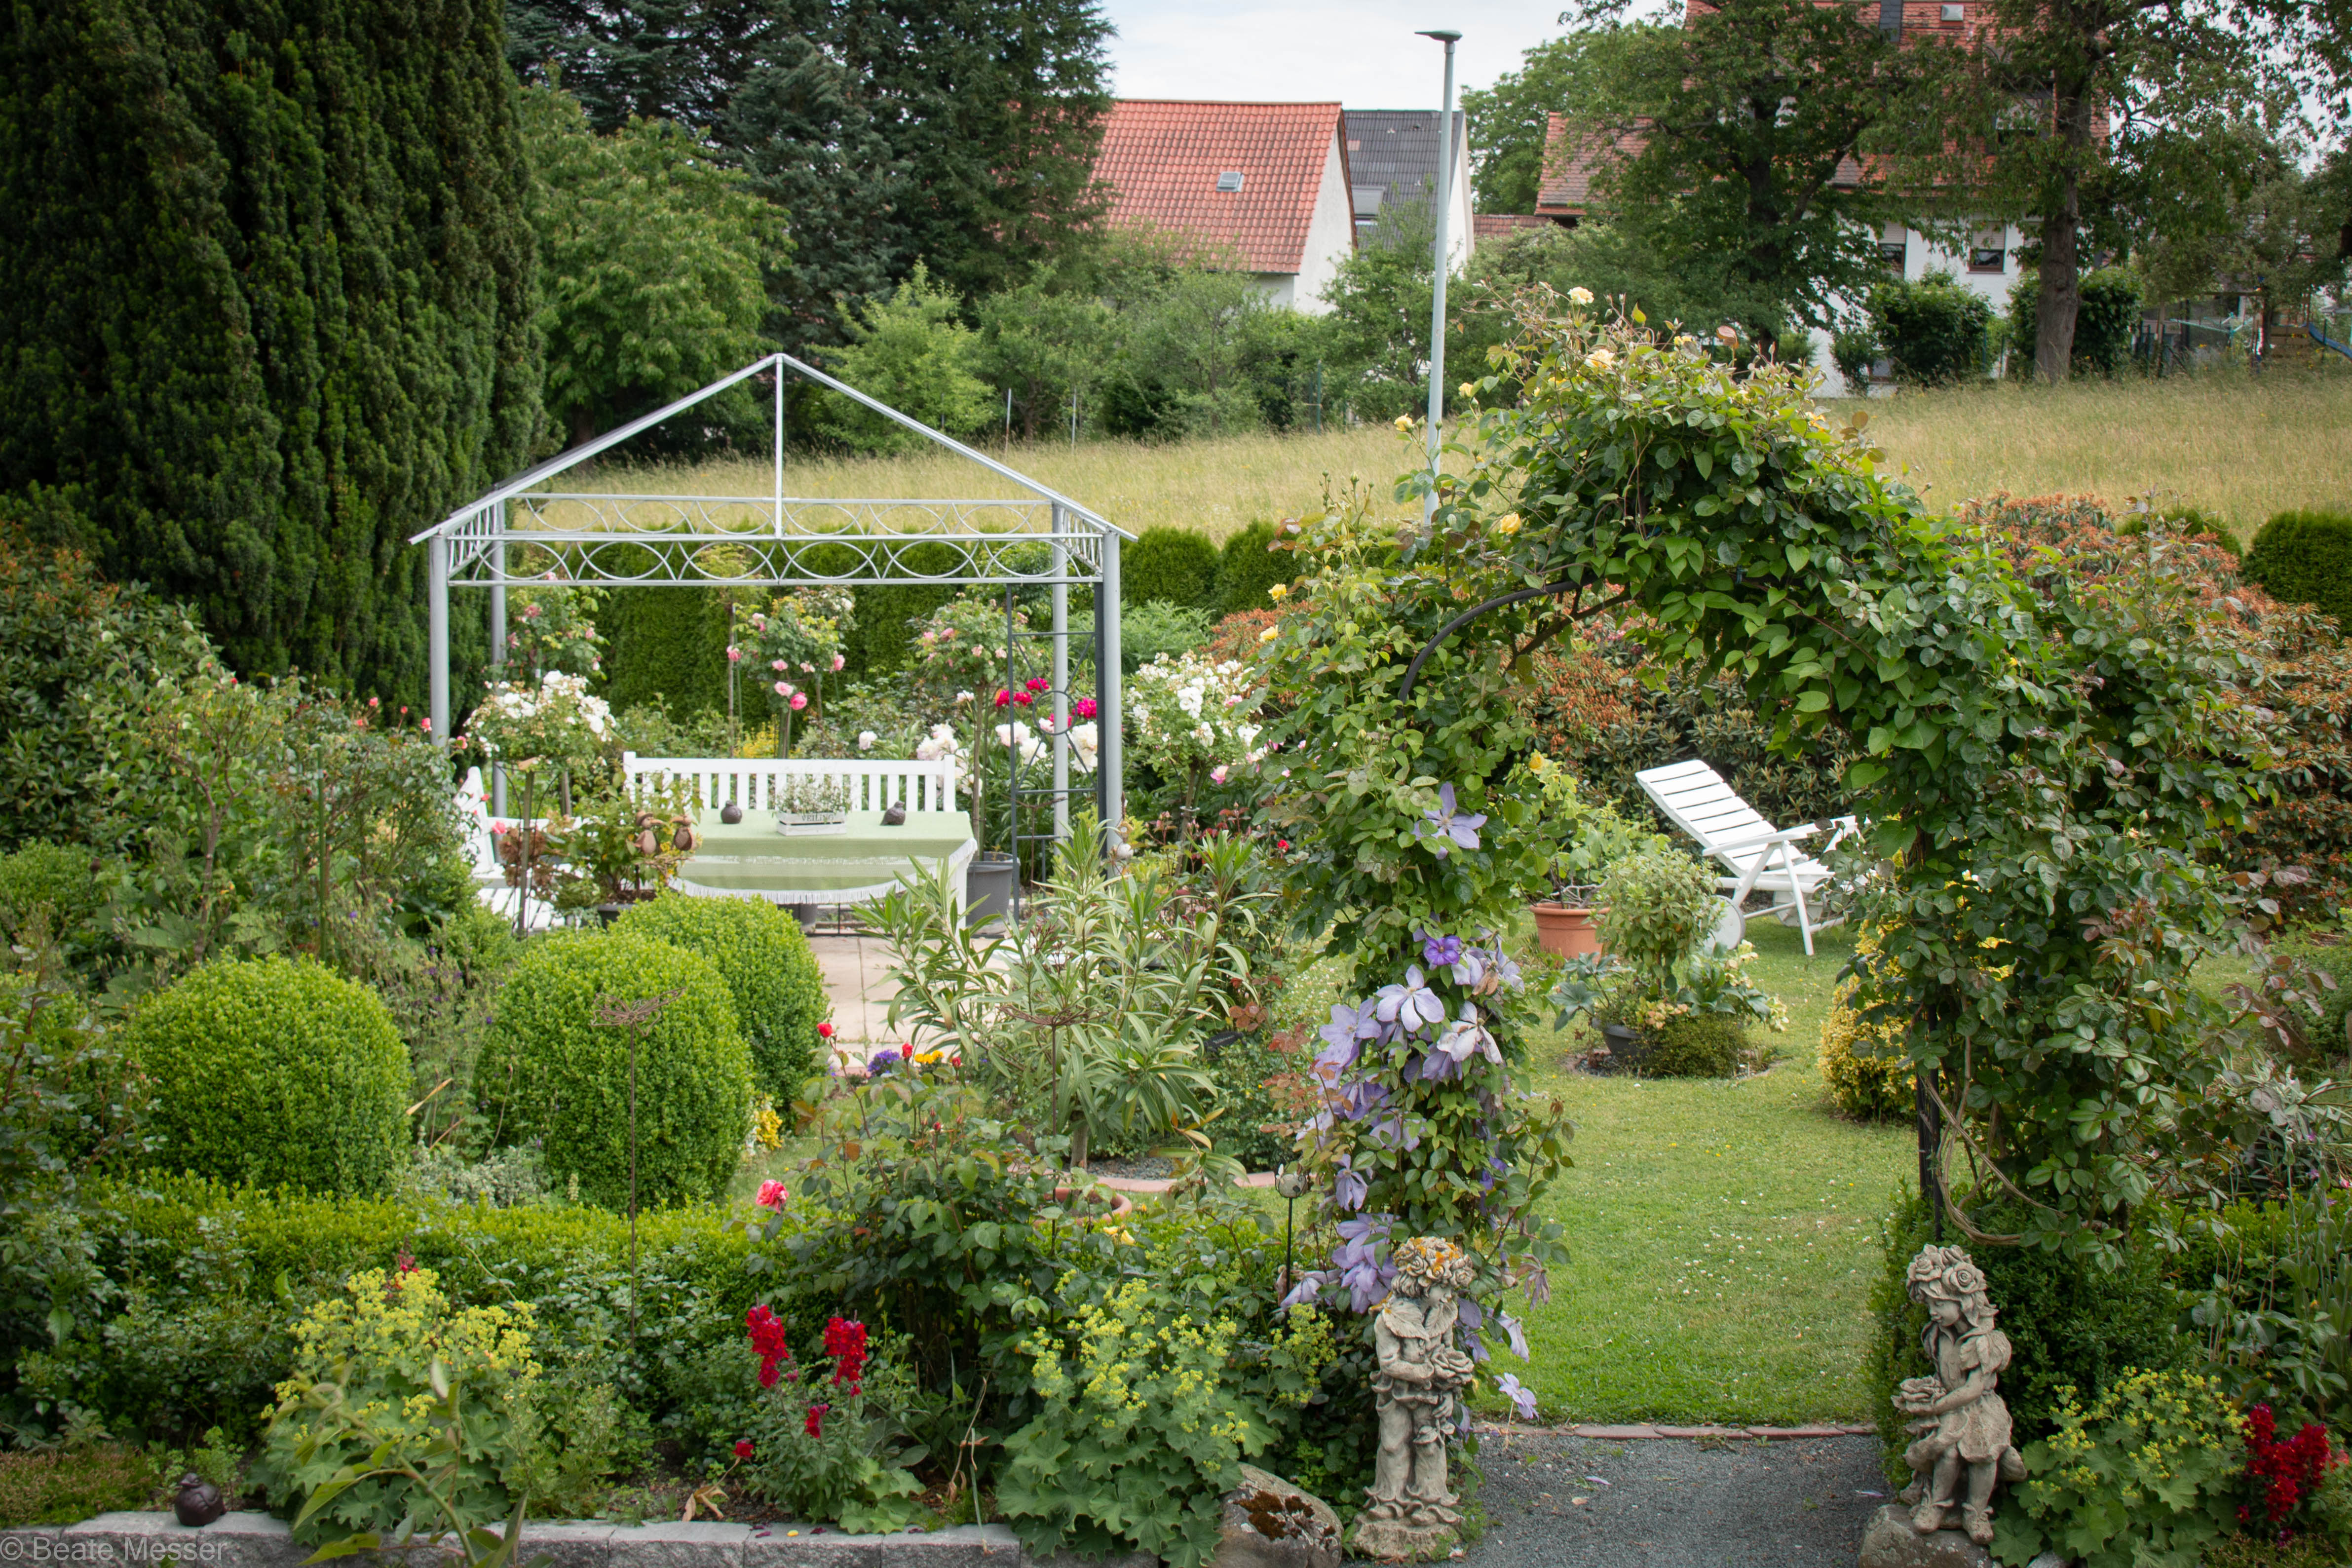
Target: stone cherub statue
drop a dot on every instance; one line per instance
(1963, 1447)
(1411, 1511)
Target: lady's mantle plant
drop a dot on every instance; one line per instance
(2068, 751)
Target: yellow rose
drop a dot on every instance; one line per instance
(1583, 296)
(1507, 524)
(1279, 592)
(1600, 359)
(1404, 422)
(1270, 634)
(1469, 389)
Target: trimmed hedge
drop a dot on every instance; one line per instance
(1248, 565)
(1173, 565)
(2069, 1324)
(274, 1071)
(761, 953)
(224, 1273)
(2305, 557)
(1933, 329)
(1697, 1045)
(549, 1072)
(668, 645)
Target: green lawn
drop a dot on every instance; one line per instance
(1722, 1236)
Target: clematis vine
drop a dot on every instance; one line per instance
(1446, 828)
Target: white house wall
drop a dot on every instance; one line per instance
(1330, 236)
(1922, 256)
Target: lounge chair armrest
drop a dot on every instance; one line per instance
(1785, 835)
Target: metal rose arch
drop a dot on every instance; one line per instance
(780, 541)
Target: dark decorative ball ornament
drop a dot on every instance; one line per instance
(198, 1501)
(730, 813)
(896, 815)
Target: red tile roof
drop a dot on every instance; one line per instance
(1161, 158)
(1568, 170)
(1501, 226)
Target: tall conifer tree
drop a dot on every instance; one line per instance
(268, 307)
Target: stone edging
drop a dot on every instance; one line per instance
(261, 1540)
(1645, 1432)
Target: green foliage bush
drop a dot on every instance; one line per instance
(1697, 1045)
(1658, 905)
(1172, 565)
(1933, 329)
(1854, 349)
(761, 953)
(549, 1072)
(181, 1294)
(2305, 557)
(273, 1071)
(667, 646)
(2072, 1325)
(1247, 565)
(2105, 323)
(2143, 1476)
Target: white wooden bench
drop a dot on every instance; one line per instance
(1761, 859)
(753, 783)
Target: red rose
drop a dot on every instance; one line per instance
(743, 1448)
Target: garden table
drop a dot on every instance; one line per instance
(752, 861)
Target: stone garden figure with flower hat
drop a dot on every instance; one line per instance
(1963, 1447)
(1411, 1511)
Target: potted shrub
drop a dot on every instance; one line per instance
(1589, 837)
(1665, 998)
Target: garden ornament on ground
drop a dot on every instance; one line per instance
(1410, 1512)
(1963, 1446)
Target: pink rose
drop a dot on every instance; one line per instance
(778, 667)
(771, 1196)
(782, 690)
(839, 660)
(734, 655)
(799, 700)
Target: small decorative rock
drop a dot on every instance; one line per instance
(896, 815)
(1269, 1523)
(198, 1502)
(1410, 1512)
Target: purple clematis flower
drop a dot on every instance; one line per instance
(1309, 1289)
(1352, 1184)
(1360, 1099)
(1521, 1396)
(1411, 1007)
(1434, 1068)
(1439, 952)
(1360, 1260)
(1466, 1037)
(1450, 828)
(1518, 1332)
(1349, 1028)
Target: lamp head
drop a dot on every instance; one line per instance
(1443, 37)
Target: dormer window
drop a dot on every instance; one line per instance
(1230, 182)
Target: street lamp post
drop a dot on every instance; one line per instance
(1437, 294)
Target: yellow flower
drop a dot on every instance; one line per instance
(1279, 592)
(1581, 295)
(1507, 524)
(1600, 359)
(1270, 634)
(1404, 422)
(1469, 389)
(1537, 763)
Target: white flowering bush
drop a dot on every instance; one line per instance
(1195, 718)
(550, 725)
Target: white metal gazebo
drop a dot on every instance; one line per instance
(780, 541)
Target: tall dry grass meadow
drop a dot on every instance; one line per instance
(2237, 446)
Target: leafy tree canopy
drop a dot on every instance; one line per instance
(951, 131)
(651, 259)
(1508, 122)
(913, 353)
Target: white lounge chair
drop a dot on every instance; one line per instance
(1762, 859)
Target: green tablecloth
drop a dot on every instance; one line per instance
(753, 860)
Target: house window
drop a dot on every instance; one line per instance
(1229, 181)
(1951, 16)
(1988, 254)
(1894, 250)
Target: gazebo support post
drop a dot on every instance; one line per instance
(1061, 679)
(436, 554)
(1110, 755)
(497, 672)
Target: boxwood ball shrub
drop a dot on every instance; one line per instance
(770, 974)
(274, 1072)
(549, 1072)
(1173, 565)
(1697, 1045)
(1248, 565)
(2305, 557)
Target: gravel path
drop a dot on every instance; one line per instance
(1667, 1504)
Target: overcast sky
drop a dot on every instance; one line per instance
(1362, 54)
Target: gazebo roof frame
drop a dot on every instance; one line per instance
(778, 541)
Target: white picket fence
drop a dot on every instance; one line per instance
(754, 782)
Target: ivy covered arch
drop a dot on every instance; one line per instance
(2049, 768)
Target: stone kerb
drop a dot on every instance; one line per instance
(260, 1541)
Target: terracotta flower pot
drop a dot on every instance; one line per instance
(1565, 931)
